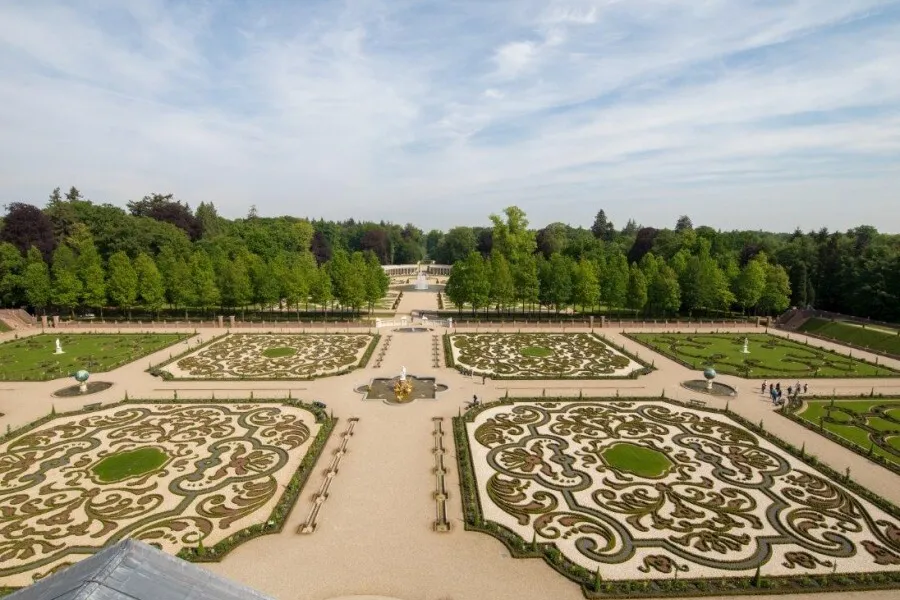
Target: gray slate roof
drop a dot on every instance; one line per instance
(133, 570)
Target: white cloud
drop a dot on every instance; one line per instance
(647, 108)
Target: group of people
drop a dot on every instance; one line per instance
(775, 392)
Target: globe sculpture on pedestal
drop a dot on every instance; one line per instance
(710, 374)
(81, 376)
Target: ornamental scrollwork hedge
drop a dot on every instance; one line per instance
(701, 525)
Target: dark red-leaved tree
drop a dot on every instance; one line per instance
(25, 226)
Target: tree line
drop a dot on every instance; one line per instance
(72, 253)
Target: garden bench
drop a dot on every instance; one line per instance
(697, 403)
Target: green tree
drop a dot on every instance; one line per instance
(122, 283)
(525, 280)
(206, 293)
(502, 290)
(751, 283)
(234, 284)
(479, 285)
(36, 280)
(585, 285)
(455, 245)
(614, 285)
(66, 285)
(663, 293)
(320, 291)
(89, 268)
(377, 281)
(265, 283)
(559, 282)
(512, 238)
(11, 266)
(150, 286)
(776, 296)
(636, 298)
(356, 282)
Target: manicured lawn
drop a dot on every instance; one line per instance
(279, 352)
(4, 327)
(637, 460)
(536, 351)
(129, 463)
(876, 339)
(769, 356)
(34, 359)
(860, 422)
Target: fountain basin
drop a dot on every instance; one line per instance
(75, 390)
(717, 389)
(382, 388)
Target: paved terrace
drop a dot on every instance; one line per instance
(374, 534)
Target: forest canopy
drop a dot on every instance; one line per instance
(160, 253)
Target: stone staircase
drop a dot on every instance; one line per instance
(792, 319)
(17, 319)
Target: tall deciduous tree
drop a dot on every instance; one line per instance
(502, 291)
(585, 285)
(121, 282)
(663, 293)
(750, 284)
(36, 280)
(66, 285)
(206, 293)
(614, 285)
(637, 289)
(25, 226)
(150, 287)
(776, 296)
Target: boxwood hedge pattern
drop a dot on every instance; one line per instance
(540, 356)
(769, 355)
(810, 567)
(869, 426)
(253, 414)
(241, 356)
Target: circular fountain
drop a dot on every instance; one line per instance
(708, 386)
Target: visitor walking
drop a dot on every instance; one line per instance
(764, 387)
(790, 391)
(805, 388)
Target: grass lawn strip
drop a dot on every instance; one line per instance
(729, 493)
(540, 355)
(770, 356)
(79, 481)
(34, 359)
(879, 339)
(273, 356)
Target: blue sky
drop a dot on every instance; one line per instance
(741, 114)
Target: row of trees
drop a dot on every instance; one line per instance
(691, 280)
(855, 272)
(77, 276)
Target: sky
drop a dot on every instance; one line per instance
(742, 114)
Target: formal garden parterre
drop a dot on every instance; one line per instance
(616, 494)
(273, 356)
(769, 356)
(33, 358)
(190, 477)
(868, 426)
(540, 356)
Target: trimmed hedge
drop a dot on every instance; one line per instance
(159, 371)
(276, 520)
(594, 588)
(646, 368)
(791, 409)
